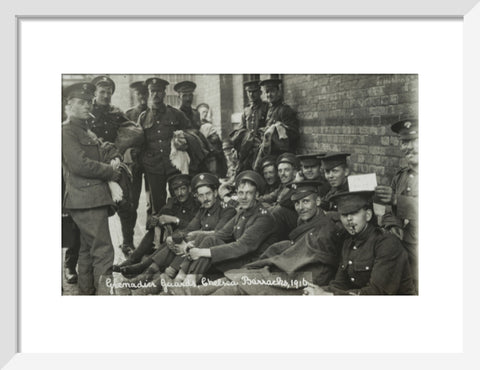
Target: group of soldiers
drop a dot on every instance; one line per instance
(245, 215)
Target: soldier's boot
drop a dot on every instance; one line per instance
(127, 249)
(118, 268)
(153, 288)
(180, 277)
(132, 270)
(170, 272)
(150, 273)
(71, 275)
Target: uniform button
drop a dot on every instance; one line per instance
(161, 150)
(411, 176)
(311, 234)
(292, 242)
(343, 266)
(367, 268)
(352, 279)
(355, 247)
(243, 217)
(238, 227)
(158, 131)
(88, 184)
(208, 214)
(408, 189)
(158, 121)
(106, 131)
(350, 262)
(104, 123)
(206, 225)
(159, 141)
(183, 211)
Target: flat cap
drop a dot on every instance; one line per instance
(178, 180)
(205, 179)
(253, 177)
(104, 81)
(156, 82)
(185, 87)
(275, 82)
(301, 189)
(407, 129)
(332, 160)
(139, 86)
(253, 85)
(288, 158)
(311, 159)
(80, 90)
(351, 202)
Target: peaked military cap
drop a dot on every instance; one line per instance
(352, 201)
(253, 177)
(310, 159)
(80, 90)
(176, 181)
(185, 87)
(275, 82)
(288, 158)
(301, 189)
(407, 129)
(253, 85)
(269, 160)
(332, 160)
(205, 179)
(139, 86)
(157, 82)
(104, 81)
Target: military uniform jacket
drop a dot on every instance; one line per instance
(254, 116)
(184, 211)
(134, 112)
(280, 196)
(213, 218)
(281, 112)
(405, 213)
(245, 234)
(86, 176)
(193, 115)
(107, 121)
(326, 204)
(159, 126)
(373, 263)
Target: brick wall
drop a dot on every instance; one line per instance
(353, 113)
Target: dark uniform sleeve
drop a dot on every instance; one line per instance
(391, 218)
(226, 232)
(252, 238)
(289, 118)
(78, 163)
(271, 197)
(184, 122)
(226, 215)
(195, 223)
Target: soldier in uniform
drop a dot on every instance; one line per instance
(248, 137)
(87, 196)
(159, 122)
(373, 262)
(336, 172)
(106, 122)
(185, 91)
(212, 216)
(282, 131)
(177, 213)
(402, 195)
(311, 169)
(242, 239)
(140, 92)
(270, 174)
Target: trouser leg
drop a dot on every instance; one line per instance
(200, 266)
(144, 248)
(412, 251)
(163, 257)
(157, 184)
(71, 254)
(96, 250)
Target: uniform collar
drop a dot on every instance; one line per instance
(365, 234)
(78, 122)
(214, 208)
(251, 210)
(162, 109)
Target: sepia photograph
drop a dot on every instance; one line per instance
(240, 184)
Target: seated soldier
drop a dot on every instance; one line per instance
(270, 175)
(311, 169)
(177, 213)
(373, 262)
(242, 239)
(212, 215)
(336, 172)
(282, 207)
(311, 254)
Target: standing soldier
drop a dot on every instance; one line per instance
(159, 122)
(282, 132)
(106, 122)
(402, 195)
(185, 91)
(248, 137)
(140, 92)
(87, 197)
(311, 168)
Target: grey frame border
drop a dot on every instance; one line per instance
(14, 11)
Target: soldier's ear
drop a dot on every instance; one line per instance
(369, 214)
(318, 201)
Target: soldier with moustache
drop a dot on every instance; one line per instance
(402, 196)
(87, 196)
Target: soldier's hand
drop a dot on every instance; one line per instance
(151, 222)
(166, 219)
(170, 243)
(313, 289)
(196, 253)
(115, 163)
(397, 231)
(385, 194)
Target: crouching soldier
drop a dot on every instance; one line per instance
(373, 262)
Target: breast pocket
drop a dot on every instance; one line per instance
(362, 270)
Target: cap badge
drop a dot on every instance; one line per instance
(294, 186)
(85, 86)
(202, 177)
(104, 79)
(408, 124)
(154, 80)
